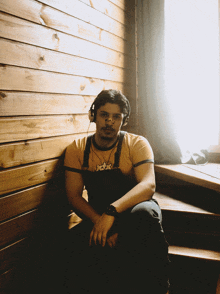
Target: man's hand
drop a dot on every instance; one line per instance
(112, 240)
(100, 230)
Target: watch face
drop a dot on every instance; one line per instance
(111, 210)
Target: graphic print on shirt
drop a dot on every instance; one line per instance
(103, 166)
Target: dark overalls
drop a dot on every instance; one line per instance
(139, 262)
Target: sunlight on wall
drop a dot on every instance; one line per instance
(192, 70)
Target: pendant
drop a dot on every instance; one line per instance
(104, 166)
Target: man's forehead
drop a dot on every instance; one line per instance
(110, 108)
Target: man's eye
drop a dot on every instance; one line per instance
(104, 115)
(117, 117)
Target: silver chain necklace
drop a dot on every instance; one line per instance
(105, 165)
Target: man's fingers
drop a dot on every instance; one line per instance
(103, 240)
(112, 240)
(93, 238)
(100, 238)
(90, 238)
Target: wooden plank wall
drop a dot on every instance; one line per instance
(55, 57)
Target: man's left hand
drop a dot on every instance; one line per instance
(100, 230)
(112, 240)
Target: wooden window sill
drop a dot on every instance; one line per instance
(207, 175)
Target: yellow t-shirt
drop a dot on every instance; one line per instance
(135, 150)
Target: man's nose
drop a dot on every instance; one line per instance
(110, 120)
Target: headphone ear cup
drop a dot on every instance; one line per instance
(91, 115)
(125, 122)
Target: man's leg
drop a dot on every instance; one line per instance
(87, 266)
(143, 249)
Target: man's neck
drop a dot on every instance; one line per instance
(103, 143)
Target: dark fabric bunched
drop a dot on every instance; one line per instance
(138, 264)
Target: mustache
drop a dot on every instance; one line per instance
(108, 129)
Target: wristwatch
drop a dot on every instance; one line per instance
(111, 210)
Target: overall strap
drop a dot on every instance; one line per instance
(118, 152)
(86, 151)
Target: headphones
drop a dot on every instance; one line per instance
(92, 112)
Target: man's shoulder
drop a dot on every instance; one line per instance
(78, 144)
(132, 139)
(139, 148)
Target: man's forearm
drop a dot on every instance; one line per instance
(141, 192)
(83, 208)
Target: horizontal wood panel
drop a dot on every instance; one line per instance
(25, 128)
(15, 154)
(21, 103)
(42, 223)
(52, 18)
(34, 34)
(11, 254)
(88, 14)
(107, 8)
(5, 280)
(23, 177)
(21, 79)
(23, 201)
(17, 228)
(119, 3)
(14, 53)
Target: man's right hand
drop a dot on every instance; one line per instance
(100, 230)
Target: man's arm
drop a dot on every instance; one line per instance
(74, 189)
(143, 191)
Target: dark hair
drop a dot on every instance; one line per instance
(114, 97)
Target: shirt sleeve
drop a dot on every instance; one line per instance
(141, 152)
(73, 158)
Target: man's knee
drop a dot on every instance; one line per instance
(147, 210)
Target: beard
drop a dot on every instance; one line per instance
(106, 138)
(111, 135)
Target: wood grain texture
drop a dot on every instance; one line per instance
(52, 18)
(194, 253)
(14, 53)
(38, 35)
(12, 254)
(25, 128)
(21, 103)
(88, 14)
(23, 201)
(186, 174)
(168, 203)
(22, 79)
(107, 8)
(5, 280)
(17, 228)
(15, 154)
(22, 177)
(119, 3)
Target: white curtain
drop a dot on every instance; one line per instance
(178, 74)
